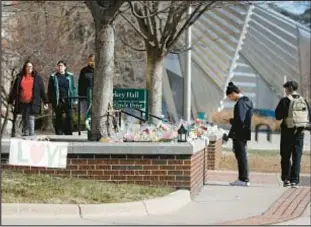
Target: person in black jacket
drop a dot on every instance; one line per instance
(240, 131)
(292, 139)
(26, 95)
(61, 90)
(85, 81)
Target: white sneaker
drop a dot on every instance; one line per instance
(240, 183)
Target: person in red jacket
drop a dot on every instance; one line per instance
(26, 95)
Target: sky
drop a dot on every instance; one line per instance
(293, 6)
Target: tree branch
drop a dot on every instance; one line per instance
(94, 8)
(190, 21)
(144, 24)
(146, 16)
(149, 24)
(101, 12)
(165, 31)
(154, 25)
(172, 28)
(135, 28)
(127, 44)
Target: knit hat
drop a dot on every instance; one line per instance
(232, 88)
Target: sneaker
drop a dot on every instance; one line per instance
(240, 183)
(286, 183)
(294, 185)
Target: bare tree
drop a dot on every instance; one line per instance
(6, 111)
(104, 14)
(161, 24)
(129, 64)
(47, 31)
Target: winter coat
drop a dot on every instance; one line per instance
(242, 120)
(53, 89)
(38, 94)
(85, 80)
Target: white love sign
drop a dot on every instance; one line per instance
(38, 153)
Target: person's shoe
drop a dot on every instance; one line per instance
(286, 183)
(294, 185)
(240, 183)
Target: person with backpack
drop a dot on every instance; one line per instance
(240, 131)
(294, 112)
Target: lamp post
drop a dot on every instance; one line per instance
(187, 77)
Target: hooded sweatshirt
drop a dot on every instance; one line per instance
(242, 120)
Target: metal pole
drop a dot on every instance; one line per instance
(79, 117)
(187, 78)
(302, 85)
(285, 80)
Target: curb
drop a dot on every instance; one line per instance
(161, 205)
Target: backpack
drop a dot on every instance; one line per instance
(298, 113)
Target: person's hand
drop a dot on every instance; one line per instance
(228, 120)
(46, 107)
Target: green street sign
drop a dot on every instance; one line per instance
(124, 98)
(125, 94)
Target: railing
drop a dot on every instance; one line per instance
(151, 115)
(118, 114)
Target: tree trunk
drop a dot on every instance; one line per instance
(154, 83)
(4, 120)
(103, 81)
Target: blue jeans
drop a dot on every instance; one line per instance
(28, 120)
(291, 148)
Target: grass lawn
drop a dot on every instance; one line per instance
(262, 161)
(28, 188)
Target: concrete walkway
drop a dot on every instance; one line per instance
(264, 202)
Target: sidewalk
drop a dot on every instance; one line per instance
(264, 202)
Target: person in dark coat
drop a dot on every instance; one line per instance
(61, 89)
(240, 131)
(26, 95)
(85, 82)
(292, 139)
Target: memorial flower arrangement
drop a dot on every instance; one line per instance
(165, 132)
(150, 133)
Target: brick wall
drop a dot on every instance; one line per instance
(197, 171)
(178, 171)
(154, 170)
(213, 156)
